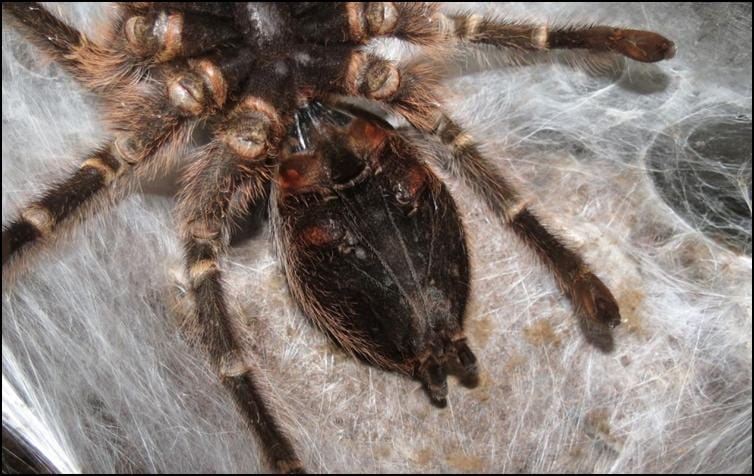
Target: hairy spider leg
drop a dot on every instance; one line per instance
(424, 24)
(644, 46)
(228, 175)
(595, 306)
(150, 119)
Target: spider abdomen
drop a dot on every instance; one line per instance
(374, 251)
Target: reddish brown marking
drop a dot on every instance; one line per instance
(367, 135)
(292, 175)
(317, 236)
(416, 178)
(290, 178)
(253, 103)
(299, 173)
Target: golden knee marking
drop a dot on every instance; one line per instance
(169, 29)
(249, 144)
(512, 212)
(381, 17)
(465, 27)
(160, 38)
(540, 37)
(213, 79)
(252, 103)
(40, 218)
(383, 80)
(233, 365)
(107, 172)
(354, 72)
(134, 30)
(356, 21)
(201, 269)
(255, 125)
(200, 230)
(472, 25)
(125, 150)
(186, 91)
(439, 125)
(463, 139)
(374, 77)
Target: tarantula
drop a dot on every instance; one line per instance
(371, 242)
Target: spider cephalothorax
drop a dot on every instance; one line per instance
(371, 241)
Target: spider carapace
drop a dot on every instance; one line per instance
(371, 242)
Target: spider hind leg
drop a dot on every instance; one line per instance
(597, 309)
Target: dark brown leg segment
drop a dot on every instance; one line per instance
(218, 9)
(595, 305)
(47, 32)
(218, 188)
(644, 46)
(593, 301)
(62, 201)
(215, 334)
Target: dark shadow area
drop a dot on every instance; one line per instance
(702, 169)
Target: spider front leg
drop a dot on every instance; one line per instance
(157, 118)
